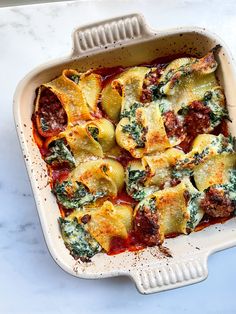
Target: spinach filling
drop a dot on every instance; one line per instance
(193, 207)
(229, 187)
(74, 195)
(94, 132)
(44, 124)
(181, 173)
(59, 153)
(164, 106)
(130, 112)
(195, 160)
(149, 203)
(212, 100)
(80, 243)
(135, 186)
(156, 92)
(198, 157)
(181, 72)
(224, 144)
(134, 129)
(221, 144)
(75, 78)
(152, 205)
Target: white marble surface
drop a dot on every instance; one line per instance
(30, 282)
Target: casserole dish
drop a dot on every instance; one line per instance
(125, 41)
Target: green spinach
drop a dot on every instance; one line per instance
(74, 195)
(136, 131)
(181, 173)
(75, 78)
(229, 187)
(80, 243)
(94, 132)
(156, 92)
(130, 113)
(214, 100)
(193, 207)
(149, 203)
(44, 124)
(60, 153)
(135, 186)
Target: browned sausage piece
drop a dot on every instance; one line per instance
(196, 121)
(216, 203)
(146, 227)
(172, 125)
(51, 116)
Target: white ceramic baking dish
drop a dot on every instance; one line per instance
(125, 41)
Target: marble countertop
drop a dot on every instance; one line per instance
(30, 280)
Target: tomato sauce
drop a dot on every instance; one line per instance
(108, 74)
(160, 61)
(125, 157)
(124, 198)
(208, 221)
(131, 243)
(172, 235)
(186, 144)
(59, 175)
(222, 128)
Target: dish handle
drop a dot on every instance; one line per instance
(171, 275)
(109, 33)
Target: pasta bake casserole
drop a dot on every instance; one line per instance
(136, 155)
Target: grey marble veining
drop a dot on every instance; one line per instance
(30, 281)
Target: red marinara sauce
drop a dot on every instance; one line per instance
(119, 245)
(208, 221)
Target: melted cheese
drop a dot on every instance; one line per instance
(152, 131)
(156, 137)
(81, 143)
(205, 146)
(214, 171)
(104, 175)
(106, 133)
(71, 97)
(159, 166)
(91, 85)
(129, 85)
(106, 222)
(188, 79)
(171, 206)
